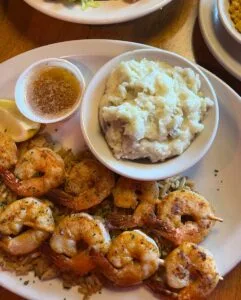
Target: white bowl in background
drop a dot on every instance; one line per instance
(223, 6)
(133, 169)
(23, 80)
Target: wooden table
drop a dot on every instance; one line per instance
(175, 28)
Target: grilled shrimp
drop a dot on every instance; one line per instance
(190, 261)
(38, 171)
(71, 230)
(185, 216)
(132, 257)
(29, 212)
(8, 151)
(190, 269)
(128, 192)
(143, 214)
(87, 185)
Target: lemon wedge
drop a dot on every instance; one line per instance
(14, 123)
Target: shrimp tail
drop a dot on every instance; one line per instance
(104, 265)
(161, 230)
(162, 227)
(80, 264)
(62, 198)
(75, 203)
(117, 221)
(54, 257)
(10, 180)
(158, 288)
(146, 218)
(59, 196)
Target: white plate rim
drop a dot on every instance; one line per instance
(212, 41)
(101, 20)
(65, 49)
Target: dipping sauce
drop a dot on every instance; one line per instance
(53, 91)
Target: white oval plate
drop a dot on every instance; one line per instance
(108, 12)
(223, 190)
(222, 45)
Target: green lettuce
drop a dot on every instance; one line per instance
(85, 3)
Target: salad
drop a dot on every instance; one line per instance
(85, 3)
(92, 3)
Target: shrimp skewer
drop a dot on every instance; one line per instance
(185, 216)
(71, 230)
(182, 216)
(25, 212)
(190, 269)
(38, 171)
(132, 258)
(87, 185)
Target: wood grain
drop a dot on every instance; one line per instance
(174, 28)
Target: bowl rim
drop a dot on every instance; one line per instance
(227, 21)
(23, 79)
(110, 65)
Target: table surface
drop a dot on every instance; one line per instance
(175, 28)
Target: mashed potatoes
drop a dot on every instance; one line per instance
(151, 110)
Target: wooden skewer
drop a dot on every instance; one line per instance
(169, 293)
(221, 278)
(161, 262)
(214, 218)
(161, 290)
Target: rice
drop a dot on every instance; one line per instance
(173, 184)
(87, 285)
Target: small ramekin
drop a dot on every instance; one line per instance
(223, 6)
(23, 80)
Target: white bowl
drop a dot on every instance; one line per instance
(21, 95)
(136, 170)
(223, 6)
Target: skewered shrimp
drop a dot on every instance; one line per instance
(185, 216)
(29, 212)
(132, 257)
(143, 214)
(191, 269)
(8, 151)
(127, 192)
(87, 185)
(71, 230)
(38, 171)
